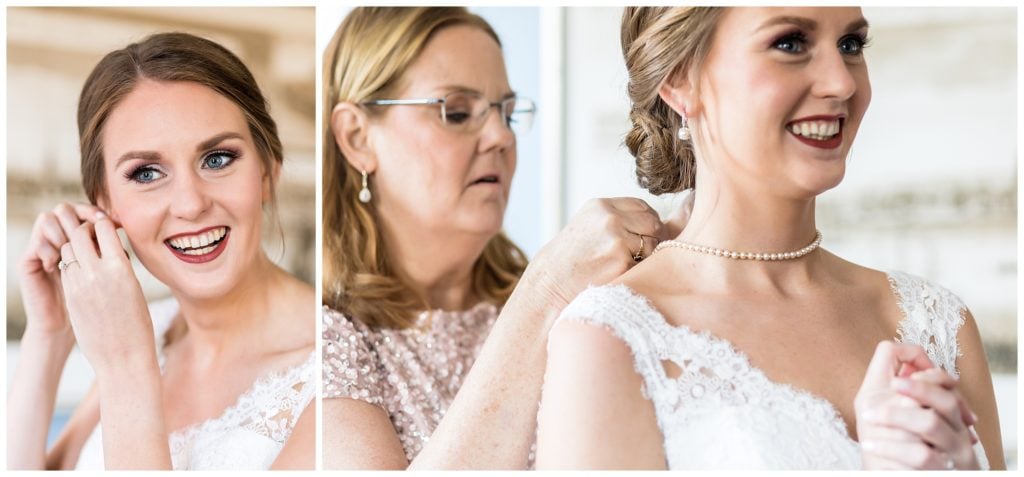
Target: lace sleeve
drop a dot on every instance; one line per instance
(932, 317)
(349, 363)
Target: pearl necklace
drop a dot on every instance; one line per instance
(742, 255)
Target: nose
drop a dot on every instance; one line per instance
(834, 78)
(496, 132)
(190, 199)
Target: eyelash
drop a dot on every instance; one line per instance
(134, 175)
(799, 38)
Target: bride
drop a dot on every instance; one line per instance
(178, 149)
(742, 343)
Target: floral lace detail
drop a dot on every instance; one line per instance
(932, 317)
(246, 436)
(270, 409)
(721, 411)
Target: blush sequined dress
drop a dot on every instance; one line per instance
(413, 374)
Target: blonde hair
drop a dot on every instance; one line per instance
(365, 60)
(659, 43)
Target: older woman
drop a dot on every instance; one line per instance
(178, 150)
(434, 326)
(742, 343)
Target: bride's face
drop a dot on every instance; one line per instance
(782, 94)
(187, 184)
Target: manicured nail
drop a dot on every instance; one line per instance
(901, 384)
(100, 215)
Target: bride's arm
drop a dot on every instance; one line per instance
(112, 325)
(592, 414)
(299, 451)
(46, 344)
(976, 388)
(30, 402)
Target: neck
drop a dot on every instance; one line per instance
(439, 266)
(229, 323)
(730, 218)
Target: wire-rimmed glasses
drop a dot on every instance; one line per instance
(466, 111)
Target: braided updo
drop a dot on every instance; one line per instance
(659, 43)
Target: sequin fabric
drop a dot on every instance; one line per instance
(412, 373)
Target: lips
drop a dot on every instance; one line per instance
(486, 179)
(824, 132)
(199, 247)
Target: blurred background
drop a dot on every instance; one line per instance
(931, 184)
(50, 52)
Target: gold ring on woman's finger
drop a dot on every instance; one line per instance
(639, 255)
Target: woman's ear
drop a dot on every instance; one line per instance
(350, 127)
(104, 205)
(275, 172)
(679, 93)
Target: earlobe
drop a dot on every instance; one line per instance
(103, 205)
(350, 128)
(676, 91)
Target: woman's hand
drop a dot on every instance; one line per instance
(41, 289)
(909, 414)
(106, 307)
(597, 245)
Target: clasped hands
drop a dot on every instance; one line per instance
(910, 414)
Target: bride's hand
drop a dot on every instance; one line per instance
(39, 279)
(105, 303)
(595, 247)
(909, 415)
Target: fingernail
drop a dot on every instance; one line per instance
(974, 417)
(869, 416)
(100, 215)
(901, 384)
(868, 445)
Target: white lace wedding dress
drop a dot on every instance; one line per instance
(721, 412)
(246, 436)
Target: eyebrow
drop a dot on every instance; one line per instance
(807, 23)
(455, 88)
(155, 156)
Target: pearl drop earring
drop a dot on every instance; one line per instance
(684, 129)
(364, 193)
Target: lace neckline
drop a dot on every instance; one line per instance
(237, 411)
(740, 357)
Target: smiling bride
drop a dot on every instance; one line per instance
(743, 343)
(179, 151)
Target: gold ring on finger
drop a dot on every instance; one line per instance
(639, 255)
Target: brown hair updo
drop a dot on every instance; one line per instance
(169, 57)
(366, 60)
(659, 43)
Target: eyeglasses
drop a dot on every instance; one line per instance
(466, 111)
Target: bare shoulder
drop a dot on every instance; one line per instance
(591, 386)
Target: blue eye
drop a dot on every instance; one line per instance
(853, 45)
(792, 43)
(144, 174)
(218, 159)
